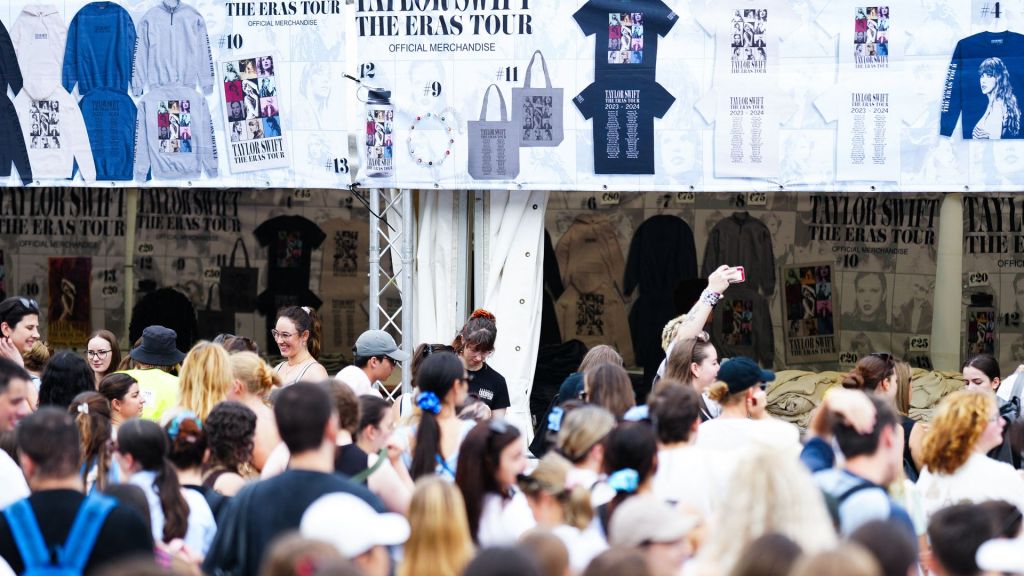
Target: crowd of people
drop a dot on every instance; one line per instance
(211, 461)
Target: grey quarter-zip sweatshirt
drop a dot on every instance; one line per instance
(172, 47)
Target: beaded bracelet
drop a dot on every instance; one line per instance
(710, 297)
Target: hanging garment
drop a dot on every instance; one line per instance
(174, 136)
(54, 132)
(592, 308)
(110, 118)
(550, 335)
(100, 46)
(742, 326)
(173, 47)
(742, 240)
(12, 143)
(661, 255)
(39, 36)
(10, 72)
(998, 56)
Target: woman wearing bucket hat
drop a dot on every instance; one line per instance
(155, 359)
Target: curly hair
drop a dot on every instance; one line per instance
(956, 429)
(230, 428)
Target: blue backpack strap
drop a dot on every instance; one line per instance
(27, 535)
(84, 532)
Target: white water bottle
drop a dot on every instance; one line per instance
(380, 121)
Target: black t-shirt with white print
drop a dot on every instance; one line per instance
(490, 388)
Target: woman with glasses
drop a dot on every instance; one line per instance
(19, 327)
(103, 353)
(493, 457)
(966, 427)
(126, 400)
(297, 335)
(474, 344)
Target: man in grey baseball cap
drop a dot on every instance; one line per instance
(375, 356)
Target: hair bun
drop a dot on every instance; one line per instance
(481, 313)
(854, 380)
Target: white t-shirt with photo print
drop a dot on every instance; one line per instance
(747, 36)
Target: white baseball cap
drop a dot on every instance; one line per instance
(1002, 555)
(351, 525)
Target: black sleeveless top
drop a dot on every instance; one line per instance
(351, 460)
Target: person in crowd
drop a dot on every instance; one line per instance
(769, 555)
(439, 535)
(364, 534)
(503, 561)
(492, 458)
(619, 561)
(50, 456)
(65, 377)
(965, 428)
(14, 385)
(422, 352)
(387, 477)
(103, 354)
(91, 412)
(205, 378)
(548, 550)
(766, 494)
(572, 387)
(1007, 519)
(234, 344)
(630, 461)
(36, 360)
(847, 559)
(650, 525)
(688, 476)
(297, 335)
(19, 327)
(609, 386)
(229, 428)
(175, 513)
(581, 439)
(251, 386)
(125, 397)
(155, 361)
(375, 357)
(431, 445)
(873, 461)
(744, 421)
(474, 344)
(295, 555)
(187, 440)
(890, 545)
(565, 510)
(956, 533)
(982, 372)
(694, 362)
(308, 425)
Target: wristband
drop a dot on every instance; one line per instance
(710, 297)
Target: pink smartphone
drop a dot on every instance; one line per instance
(743, 275)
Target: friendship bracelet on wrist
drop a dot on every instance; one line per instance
(710, 297)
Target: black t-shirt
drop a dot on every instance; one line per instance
(124, 533)
(351, 460)
(490, 388)
(623, 110)
(626, 33)
(264, 510)
(290, 241)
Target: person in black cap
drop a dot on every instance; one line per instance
(744, 420)
(155, 361)
(376, 355)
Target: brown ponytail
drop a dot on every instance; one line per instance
(305, 318)
(91, 412)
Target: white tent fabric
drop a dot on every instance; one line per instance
(513, 246)
(436, 279)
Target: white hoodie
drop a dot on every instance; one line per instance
(54, 131)
(39, 35)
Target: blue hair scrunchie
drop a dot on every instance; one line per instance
(175, 428)
(626, 480)
(429, 402)
(555, 419)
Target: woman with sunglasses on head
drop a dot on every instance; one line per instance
(430, 444)
(474, 344)
(19, 327)
(297, 334)
(102, 353)
(493, 457)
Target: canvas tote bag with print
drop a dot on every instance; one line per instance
(537, 112)
(493, 144)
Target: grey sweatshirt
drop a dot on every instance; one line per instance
(174, 135)
(172, 47)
